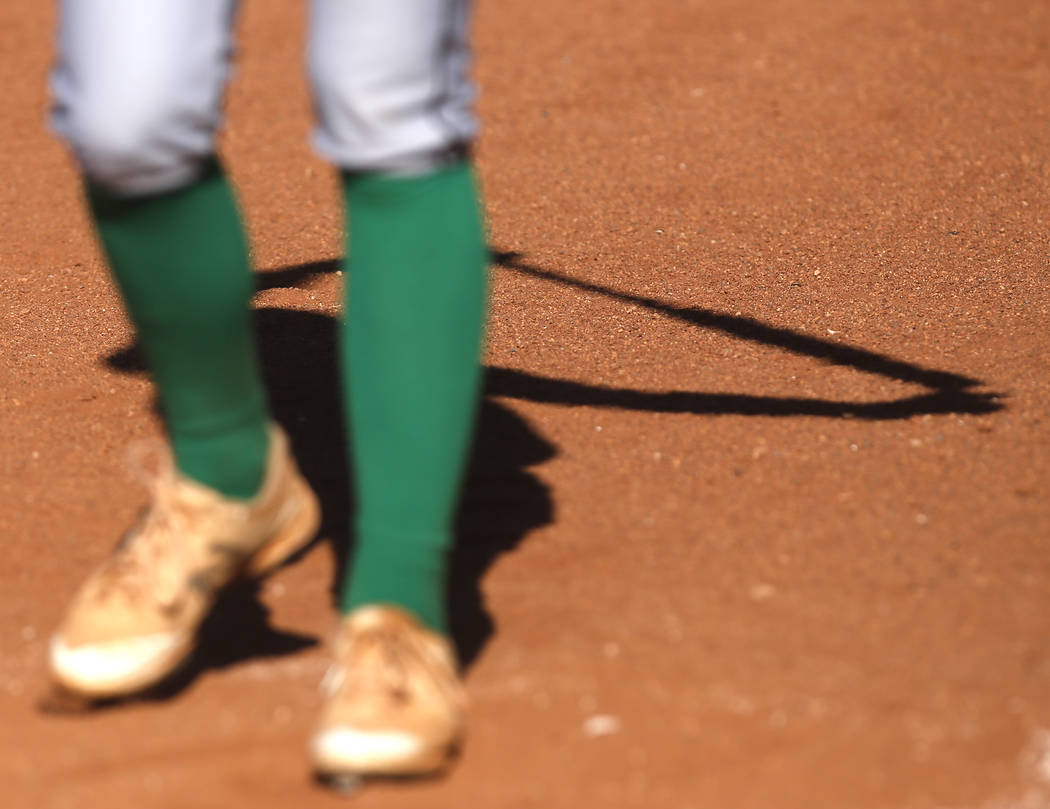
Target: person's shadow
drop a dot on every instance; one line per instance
(502, 500)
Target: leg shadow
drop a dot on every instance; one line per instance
(501, 500)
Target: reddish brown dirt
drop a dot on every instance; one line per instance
(765, 465)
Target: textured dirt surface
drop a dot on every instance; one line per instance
(760, 512)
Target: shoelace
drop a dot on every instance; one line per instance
(152, 561)
(367, 644)
(399, 654)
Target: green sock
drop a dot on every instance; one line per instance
(411, 341)
(181, 263)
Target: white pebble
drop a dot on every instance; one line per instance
(601, 725)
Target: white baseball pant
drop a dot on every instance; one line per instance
(138, 85)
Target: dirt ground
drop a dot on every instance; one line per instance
(760, 509)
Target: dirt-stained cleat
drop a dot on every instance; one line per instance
(395, 706)
(136, 617)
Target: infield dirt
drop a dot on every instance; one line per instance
(760, 508)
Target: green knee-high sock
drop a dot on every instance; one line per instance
(410, 346)
(180, 261)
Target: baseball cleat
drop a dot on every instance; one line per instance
(395, 706)
(136, 617)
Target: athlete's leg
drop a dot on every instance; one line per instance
(395, 113)
(137, 91)
(138, 88)
(395, 108)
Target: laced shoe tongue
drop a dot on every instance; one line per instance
(151, 561)
(145, 566)
(374, 659)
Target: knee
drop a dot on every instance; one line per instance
(353, 99)
(137, 146)
(381, 116)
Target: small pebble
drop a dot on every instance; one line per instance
(601, 725)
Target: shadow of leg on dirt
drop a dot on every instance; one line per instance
(501, 501)
(236, 630)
